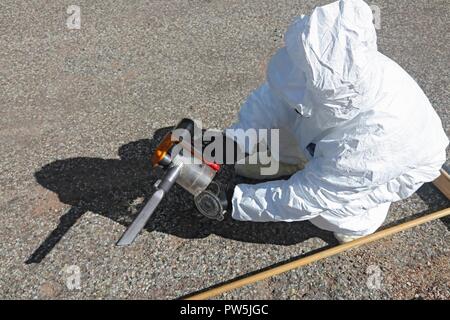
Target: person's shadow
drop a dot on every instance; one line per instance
(119, 188)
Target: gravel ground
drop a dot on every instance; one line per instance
(80, 111)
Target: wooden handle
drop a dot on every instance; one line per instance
(318, 256)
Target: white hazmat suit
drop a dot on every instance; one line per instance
(367, 129)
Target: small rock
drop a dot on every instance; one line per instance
(49, 289)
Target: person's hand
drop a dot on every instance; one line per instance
(227, 195)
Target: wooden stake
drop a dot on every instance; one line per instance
(443, 183)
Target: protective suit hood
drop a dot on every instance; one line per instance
(327, 59)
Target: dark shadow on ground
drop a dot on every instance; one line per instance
(435, 200)
(110, 187)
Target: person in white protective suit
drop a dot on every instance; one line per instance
(367, 130)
